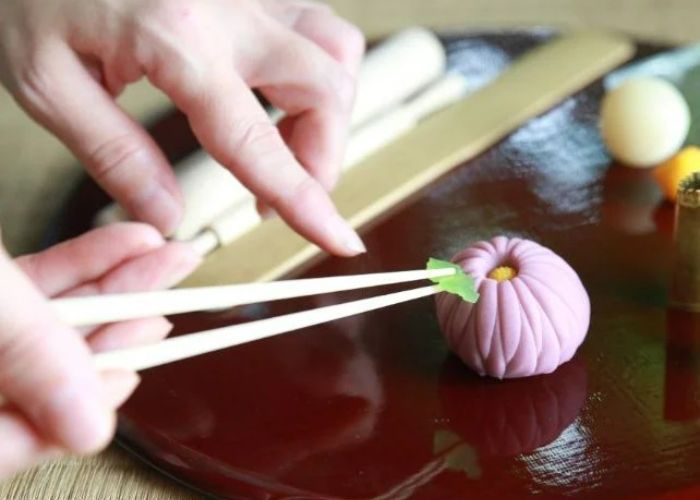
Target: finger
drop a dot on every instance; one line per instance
(23, 446)
(158, 269)
(118, 386)
(234, 128)
(317, 95)
(288, 11)
(115, 149)
(46, 369)
(304, 134)
(318, 22)
(88, 257)
(129, 334)
(344, 43)
(264, 210)
(339, 38)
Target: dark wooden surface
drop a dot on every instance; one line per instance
(375, 406)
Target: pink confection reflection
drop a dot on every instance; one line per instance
(505, 418)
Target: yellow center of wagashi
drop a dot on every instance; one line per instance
(503, 273)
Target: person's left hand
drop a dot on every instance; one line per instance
(114, 259)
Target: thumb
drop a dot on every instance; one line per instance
(46, 369)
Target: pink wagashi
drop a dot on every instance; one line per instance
(532, 314)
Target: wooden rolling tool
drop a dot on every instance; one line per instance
(392, 71)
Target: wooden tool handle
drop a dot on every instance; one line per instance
(397, 68)
(391, 72)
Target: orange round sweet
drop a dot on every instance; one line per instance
(670, 173)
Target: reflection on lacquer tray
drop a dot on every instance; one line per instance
(631, 198)
(511, 417)
(682, 374)
(485, 418)
(329, 380)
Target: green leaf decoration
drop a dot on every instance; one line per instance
(444, 440)
(464, 458)
(458, 455)
(459, 283)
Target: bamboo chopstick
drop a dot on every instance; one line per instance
(95, 310)
(186, 346)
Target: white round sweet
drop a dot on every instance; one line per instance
(644, 121)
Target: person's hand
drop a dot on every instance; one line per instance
(65, 60)
(54, 400)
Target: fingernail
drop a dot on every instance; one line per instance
(264, 210)
(330, 181)
(163, 210)
(83, 424)
(268, 213)
(189, 261)
(348, 238)
(119, 385)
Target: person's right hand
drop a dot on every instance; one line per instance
(65, 60)
(54, 400)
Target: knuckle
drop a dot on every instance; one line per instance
(32, 266)
(172, 13)
(21, 350)
(297, 199)
(107, 158)
(178, 71)
(177, 34)
(32, 87)
(351, 41)
(341, 88)
(257, 135)
(15, 347)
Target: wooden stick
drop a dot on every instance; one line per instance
(396, 69)
(187, 346)
(82, 311)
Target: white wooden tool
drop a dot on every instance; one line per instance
(396, 69)
(385, 128)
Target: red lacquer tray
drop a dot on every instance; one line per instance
(375, 406)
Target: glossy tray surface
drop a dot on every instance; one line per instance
(375, 406)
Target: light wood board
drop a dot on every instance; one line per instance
(532, 85)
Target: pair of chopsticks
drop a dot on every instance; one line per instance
(96, 310)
